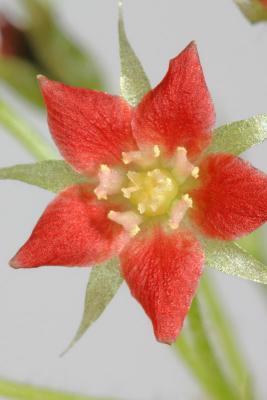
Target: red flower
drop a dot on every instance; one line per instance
(154, 189)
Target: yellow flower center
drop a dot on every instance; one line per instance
(151, 191)
(155, 188)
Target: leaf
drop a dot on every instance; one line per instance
(22, 391)
(52, 175)
(56, 51)
(21, 76)
(134, 83)
(104, 281)
(239, 136)
(254, 10)
(230, 258)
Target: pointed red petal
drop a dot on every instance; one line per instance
(162, 272)
(232, 198)
(73, 231)
(179, 111)
(89, 127)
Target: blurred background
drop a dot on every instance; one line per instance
(41, 309)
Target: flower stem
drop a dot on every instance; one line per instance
(198, 353)
(29, 139)
(220, 325)
(18, 391)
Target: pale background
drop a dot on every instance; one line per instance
(40, 309)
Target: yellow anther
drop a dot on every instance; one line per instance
(195, 172)
(156, 151)
(134, 230)
(104, 168)
(141, 208)
(181, 149)
(101, 195)
(125, 158)
(188, 200)
(128, 191)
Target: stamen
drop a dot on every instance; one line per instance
(179, 210)
(110, 182)
(131, 156)
(128, 191)
(141, 208)
(182, 166)
(195, 172)
(143, 158)
(128, 219)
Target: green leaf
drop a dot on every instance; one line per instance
(239, 136)
(254, 10)
(21, 76)
(20, 391)
(52, 175)
(57, 52)
(104, 281)
(134, 83)
(230, 258)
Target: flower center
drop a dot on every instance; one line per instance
(151, 191)
(154, 187)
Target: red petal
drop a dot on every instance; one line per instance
(162, 272)
(89, 127)
(232, 198)
(73, 230)
(179, 111)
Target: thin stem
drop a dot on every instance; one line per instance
(18, 391)
(200, 357)
(218, 381)
(191, 359)
(31, 140)
(230, 349)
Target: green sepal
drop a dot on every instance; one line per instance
(62, 58)
(230, 258)
(254, 10)
(239, 136)
(104, 281)
(254, 244)
(21, 76)
(52, 175)
(134, 83)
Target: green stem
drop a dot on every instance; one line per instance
(239, 372)
(191, 359)
(31, 140)
(200, 357)
(18, 391)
